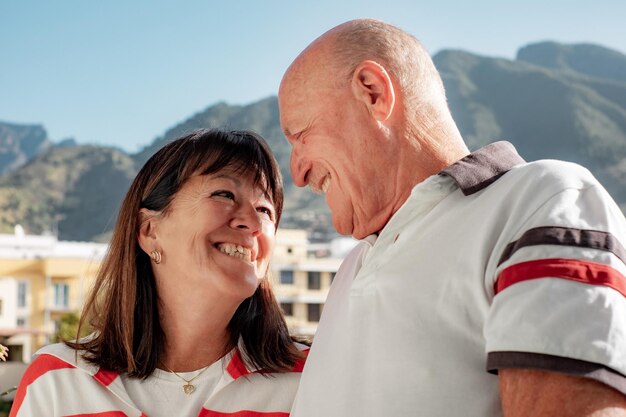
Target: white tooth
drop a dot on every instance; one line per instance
(236, 251)
(325, 184)
(226, 248)
(322, 187)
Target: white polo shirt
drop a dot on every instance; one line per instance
(494, 263)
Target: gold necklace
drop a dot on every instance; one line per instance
(188, 387)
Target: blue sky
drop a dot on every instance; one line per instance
(122, 72)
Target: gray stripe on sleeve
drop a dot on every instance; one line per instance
(569, 366)
(565, 236)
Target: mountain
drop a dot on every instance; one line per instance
(553, 101)
(592, 60)
(19, 144)
(76, 190)
(73, 190)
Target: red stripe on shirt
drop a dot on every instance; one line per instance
(105, 377)
(41, 365)
(245, 413)
(102, 414)
(236, 367)
(299, 365)
(570, 269)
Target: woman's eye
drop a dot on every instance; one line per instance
(267, 211)
(224, 193)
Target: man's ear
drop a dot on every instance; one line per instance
(371, 84)
(146, 235)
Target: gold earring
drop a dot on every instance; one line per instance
(156, 256)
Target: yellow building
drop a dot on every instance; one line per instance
(41, 278)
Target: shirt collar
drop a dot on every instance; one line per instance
(483, 167)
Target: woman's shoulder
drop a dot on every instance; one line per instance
(44, 366)
(304, 348)
(60, 355)
(57, 355)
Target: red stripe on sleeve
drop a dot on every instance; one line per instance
(105, 377)
(41, 365)
(244, 413)
(571, 269)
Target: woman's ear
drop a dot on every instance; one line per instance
(372, 85)
(147, 236)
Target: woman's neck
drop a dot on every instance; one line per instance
(196, 333)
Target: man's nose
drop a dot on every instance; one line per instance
(300, 167)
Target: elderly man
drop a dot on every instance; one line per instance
(470, 265)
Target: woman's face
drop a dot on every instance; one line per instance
(218, 235)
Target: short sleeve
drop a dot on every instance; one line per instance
(560, 288)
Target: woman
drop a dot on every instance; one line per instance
(185, 321)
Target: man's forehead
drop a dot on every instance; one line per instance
(296, 81)
(310, 67)
(292, 96)
(306, 80)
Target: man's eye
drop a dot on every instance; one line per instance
(224, 193)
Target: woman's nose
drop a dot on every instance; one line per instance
(247, 218)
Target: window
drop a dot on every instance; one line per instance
(21, 294)
(287, 308)
(21, 322)
(61, 295)
(0, 307)
(286, 277)
(314, 312)
(314, 280)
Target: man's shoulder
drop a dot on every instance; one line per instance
(552, 172)
(535, 182)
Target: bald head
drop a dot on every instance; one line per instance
(332, 58)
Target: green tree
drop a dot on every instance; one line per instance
(68, 328)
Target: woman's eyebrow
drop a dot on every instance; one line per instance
(236, 180)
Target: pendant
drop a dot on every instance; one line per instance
(188, 389)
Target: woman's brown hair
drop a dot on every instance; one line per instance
(123, 306)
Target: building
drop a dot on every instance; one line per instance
(42, 278)
(302, 274)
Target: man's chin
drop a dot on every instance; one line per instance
(343, 228)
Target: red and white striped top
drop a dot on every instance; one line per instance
(58, 383)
